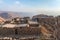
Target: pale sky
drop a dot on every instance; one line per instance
(29, 5)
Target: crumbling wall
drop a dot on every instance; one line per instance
(29, 31)
(6, 31)
(21, 31)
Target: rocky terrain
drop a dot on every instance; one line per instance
(50, 24)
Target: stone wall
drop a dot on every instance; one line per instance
(29, 31)
(20, 31)
(6, 31)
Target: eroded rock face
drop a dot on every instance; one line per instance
(2, 20)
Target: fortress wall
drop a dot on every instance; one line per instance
(20, 31)
(6, 31)
(29, 31)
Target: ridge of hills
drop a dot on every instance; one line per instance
(9, 15)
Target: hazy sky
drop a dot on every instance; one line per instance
(29, 5)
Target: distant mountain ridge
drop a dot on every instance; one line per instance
(9, 15)
(6, 15)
